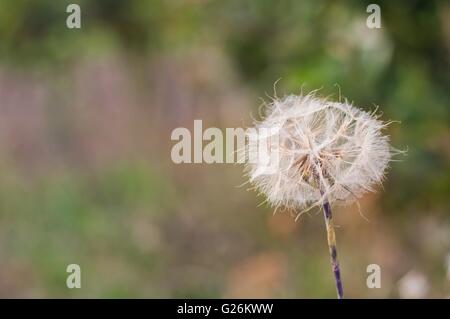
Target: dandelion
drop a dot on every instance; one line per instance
(320, 152)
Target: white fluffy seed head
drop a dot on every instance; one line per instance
(319, 150)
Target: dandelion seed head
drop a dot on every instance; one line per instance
(319, 150)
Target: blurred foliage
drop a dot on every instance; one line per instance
(84, 145)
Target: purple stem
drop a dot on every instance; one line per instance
(332, 248)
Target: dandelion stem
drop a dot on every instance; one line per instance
(332, 248)
(331, 236)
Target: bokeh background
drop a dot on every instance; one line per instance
(85, 169)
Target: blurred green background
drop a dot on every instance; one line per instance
(85, 169)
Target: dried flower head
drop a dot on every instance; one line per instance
(323, 151)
